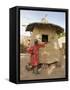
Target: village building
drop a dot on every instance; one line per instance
(46, 32)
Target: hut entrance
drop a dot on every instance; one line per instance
(44, 38)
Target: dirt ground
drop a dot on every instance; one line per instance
(57, 72)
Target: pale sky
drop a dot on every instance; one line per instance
(29, 16)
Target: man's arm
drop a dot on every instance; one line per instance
(29, 50)
(42, 44)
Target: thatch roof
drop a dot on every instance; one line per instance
(31, 26)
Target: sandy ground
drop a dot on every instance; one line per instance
(56, 72)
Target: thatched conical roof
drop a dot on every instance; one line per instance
(58, 29)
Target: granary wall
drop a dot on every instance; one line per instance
(50, 53)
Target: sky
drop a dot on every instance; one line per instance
(29, 16)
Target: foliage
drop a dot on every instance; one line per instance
(61, 35)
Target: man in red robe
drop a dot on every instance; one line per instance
(34, 51)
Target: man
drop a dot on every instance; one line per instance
(34, 51)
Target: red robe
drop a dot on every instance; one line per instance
(34, 51)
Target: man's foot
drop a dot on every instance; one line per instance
(28, 67)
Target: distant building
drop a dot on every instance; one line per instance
(26, 41)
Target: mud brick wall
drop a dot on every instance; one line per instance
(49, 53)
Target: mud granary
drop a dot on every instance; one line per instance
(47, 32)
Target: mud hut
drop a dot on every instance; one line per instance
(46, 32)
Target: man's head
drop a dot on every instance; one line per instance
(35, 41)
